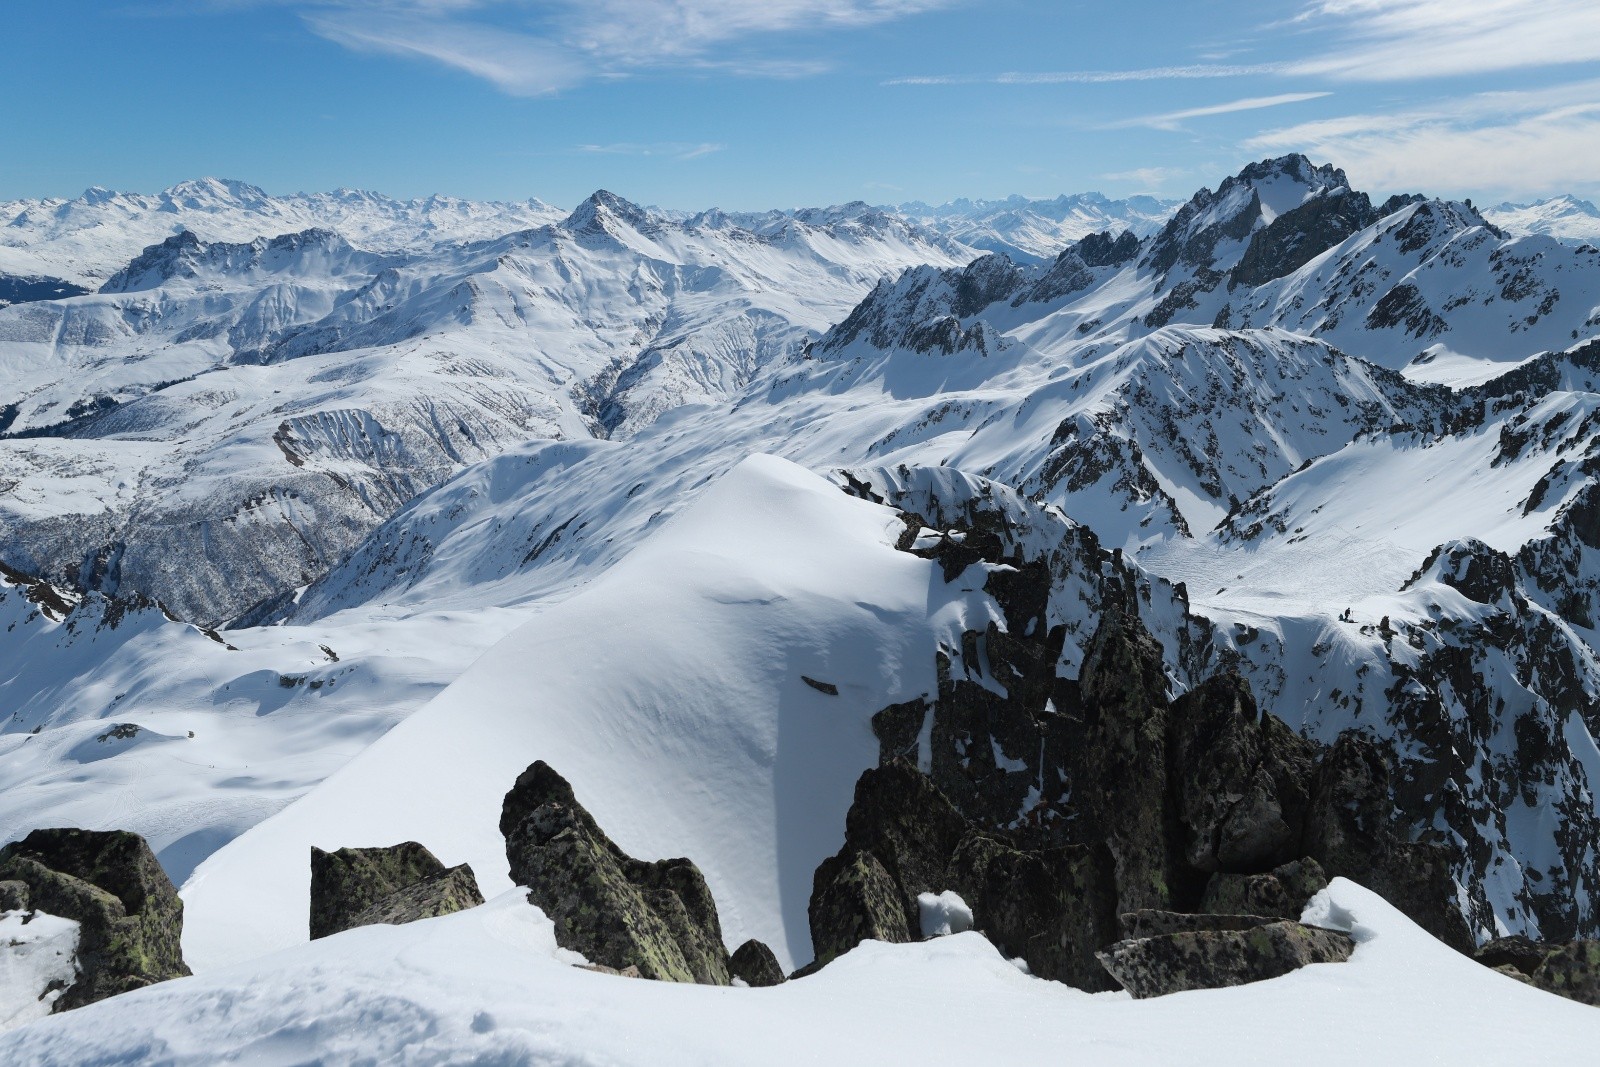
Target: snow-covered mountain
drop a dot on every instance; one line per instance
(1036, 229)
(687, 505)
(222, 421)
(1566, 218)
(86, 239)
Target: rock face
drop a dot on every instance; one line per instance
(1053, 804)
(1211, 959)
(617, 911)
(754, 964)
(1051, 906)
(129, 915)
(398, 884)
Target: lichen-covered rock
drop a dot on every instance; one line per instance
(854, 899)
(1283, 893)
(13, 896)
(1517, 952)
(129, 915)
(1572, 971)
(910, 826)
(1137, 924)
(1240, 779)
(397, 884)
(1212, 959)
(754, 964)
(616, 910)
(1052, 907)
(454, 890)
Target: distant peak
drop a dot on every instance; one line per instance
(602, 203)
(204, 189)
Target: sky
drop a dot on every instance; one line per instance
(750, 104)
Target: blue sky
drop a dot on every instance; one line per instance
(760, 103)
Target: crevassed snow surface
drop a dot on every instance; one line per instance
(486, 986)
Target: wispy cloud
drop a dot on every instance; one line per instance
(530, 47)
(1172, 120)
(1394, 40)
(1146, 179)
(672, 149)
(1091, 77)
(1503, 143)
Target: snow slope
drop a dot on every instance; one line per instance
(669, 692)
(488, 986)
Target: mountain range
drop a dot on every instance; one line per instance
(318, 533)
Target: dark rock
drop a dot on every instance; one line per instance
(1123, 689)
(1284, 893)
(13, 896)
(1349, 822)
(1572, 971)
(1516, 951)
(129, 915)
(616, 910)
(822, 687)
(1240, 778)
(897, 728)
(1212, 959)
(754, 964)
(853, 899)
(1137, 924)
(398, 884)
(1053, 907)
(912, 829)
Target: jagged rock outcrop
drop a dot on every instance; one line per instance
(1050, 906)
(754, 964)
(130, 918)
(616, 910)
(399, 884)
(1212, 959)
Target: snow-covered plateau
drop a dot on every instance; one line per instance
(1028, 573)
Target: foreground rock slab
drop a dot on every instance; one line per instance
(396, 884)
(1212, 959)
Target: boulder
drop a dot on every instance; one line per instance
(1517, 952)
(1572, 971)
(854, 899)
(398, 884)
(616, 910)
(1283, 893)
(129, 915)
(754, 964)
(1212, 959)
